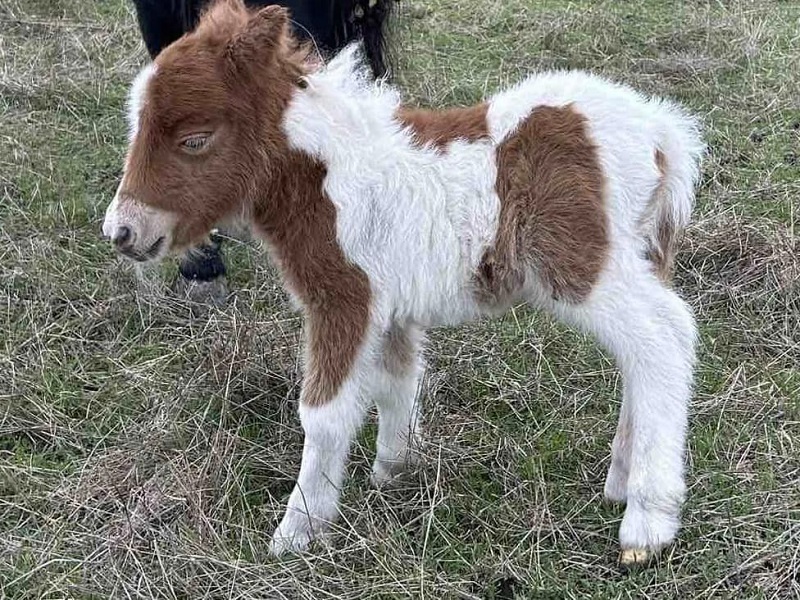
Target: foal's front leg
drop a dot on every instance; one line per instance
(313, 505)
(331, 413)
(394, 388)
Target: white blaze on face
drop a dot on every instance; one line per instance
(113, 214)
(144, 228)
(136, 98)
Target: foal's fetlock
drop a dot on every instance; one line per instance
(616, 486)
(385, 472)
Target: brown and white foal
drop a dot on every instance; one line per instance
(566, 192)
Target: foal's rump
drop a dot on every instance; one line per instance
(649, 150)
(611, 172)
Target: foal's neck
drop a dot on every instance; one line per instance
(346, 118)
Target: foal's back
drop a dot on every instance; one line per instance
(456, 213)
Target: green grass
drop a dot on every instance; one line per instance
(147, 446)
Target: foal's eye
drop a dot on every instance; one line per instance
(196, 142)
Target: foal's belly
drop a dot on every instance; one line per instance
(435, 298)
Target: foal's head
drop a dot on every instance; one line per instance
(205, 129)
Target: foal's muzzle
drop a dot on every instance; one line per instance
(137, 231)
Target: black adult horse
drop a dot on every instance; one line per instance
(331, 24)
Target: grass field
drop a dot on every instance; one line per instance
(147, 446)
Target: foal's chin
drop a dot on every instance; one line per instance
(153, 253)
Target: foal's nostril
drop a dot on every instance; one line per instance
(122, 236)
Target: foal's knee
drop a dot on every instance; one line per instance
(334, 422)
(682, 324)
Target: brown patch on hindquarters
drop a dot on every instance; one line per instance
(552, 216)
(441, 127)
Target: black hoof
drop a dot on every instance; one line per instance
(204, 263)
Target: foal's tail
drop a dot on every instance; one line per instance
(678, 154)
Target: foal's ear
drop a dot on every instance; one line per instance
(263, 35)
(227, 4)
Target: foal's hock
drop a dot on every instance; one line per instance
(566, 192)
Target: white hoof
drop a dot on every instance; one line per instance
(651, 529)
(634, 557)
(294, 534)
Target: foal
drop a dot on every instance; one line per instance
(566, 192)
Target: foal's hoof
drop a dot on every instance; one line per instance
(296, 533)
(385, 473)
(634, 557)
(288, 539)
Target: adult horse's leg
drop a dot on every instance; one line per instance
(203, 273)
(160, 23)
(372, 17)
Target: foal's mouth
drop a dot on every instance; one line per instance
(145, 255)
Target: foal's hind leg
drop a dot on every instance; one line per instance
(651, 334)
(616, 488)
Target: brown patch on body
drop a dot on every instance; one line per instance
(299, 222)
(662, 251)
(441, 127)
(552, 217)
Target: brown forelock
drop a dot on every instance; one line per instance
(552, 211)
(214, 79)
(439, 128)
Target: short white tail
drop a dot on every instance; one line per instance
(678, 156)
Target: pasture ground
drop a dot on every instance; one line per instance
(147, 445)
